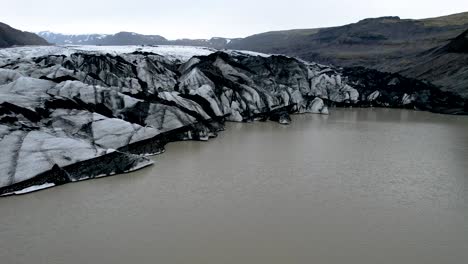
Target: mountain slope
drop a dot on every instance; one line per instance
(13, 37)
(388, 44)
(363, 42)
(446, 67)
(459, 44)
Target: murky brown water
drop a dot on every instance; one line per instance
(358, 186)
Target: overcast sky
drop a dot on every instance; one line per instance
(208, 18)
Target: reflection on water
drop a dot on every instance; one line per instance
(358, 186)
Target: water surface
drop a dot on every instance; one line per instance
(359, 186)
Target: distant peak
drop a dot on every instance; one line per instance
(126, 33)
(46, 32)
(378, 19)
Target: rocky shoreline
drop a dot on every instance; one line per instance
(79, 115)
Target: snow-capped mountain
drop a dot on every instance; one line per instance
(129, 38)
(216, 42)
(121, 38)
(62, 39)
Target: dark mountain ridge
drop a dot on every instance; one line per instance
(459, 44)
(431, 49)
(12, 37)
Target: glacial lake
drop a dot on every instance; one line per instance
(359, 186)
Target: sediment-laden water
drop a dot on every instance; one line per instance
(358, 186)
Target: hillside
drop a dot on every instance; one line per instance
(446, 67)
(388, 44)
(13, 37)
(363, 42)
(459, 44)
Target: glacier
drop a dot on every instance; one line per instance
(72, 113)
